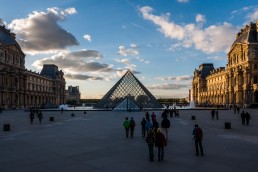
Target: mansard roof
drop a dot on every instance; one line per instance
(50, 70)
(8, 38)
(247, 35)
(205, 69)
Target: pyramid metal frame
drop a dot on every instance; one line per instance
(128, 86)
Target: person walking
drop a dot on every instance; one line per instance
(148, 125)
(160, 142)
(247, 118)
(217, 114)
(143, 123)
(155, 125)
(243, 117)
(165, 124)
(31, 117)
(150, 139)
(40, 116)
(212, 114)
(198, 136)
(126, 125)
(132, 125)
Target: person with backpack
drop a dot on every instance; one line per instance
(143, 122)
(126, 125)
(132, 125)
(165, 124)
(198, 136)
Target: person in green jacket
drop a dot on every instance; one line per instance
(126, 125)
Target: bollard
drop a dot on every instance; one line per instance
(7, 127)
(51, 118)
(193, 117)
(227, 125)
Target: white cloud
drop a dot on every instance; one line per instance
(2, 22)
(252, 17)
(216, 58)
(71, 11)
(176, 78)
(124, 61)
(182, 1)
(142, 60)
(169, 29)
(215, 38)
(40, 31)
(168, 86)
(123, 51)
(76, 62)
(200, 18)
(87, 37)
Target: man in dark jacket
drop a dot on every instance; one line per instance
(198, 135)
(165, 124)
(150, 139)
(160, 143)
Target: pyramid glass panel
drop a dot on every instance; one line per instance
(128, 86)
(128, 105)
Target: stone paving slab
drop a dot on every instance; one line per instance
(96, 142)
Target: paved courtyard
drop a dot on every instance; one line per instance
(96, 142)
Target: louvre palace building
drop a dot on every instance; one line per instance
(235, 84)
(22, 88)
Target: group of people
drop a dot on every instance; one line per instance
(38, 113)
(157, 136)
(213, 113)
(245, 116)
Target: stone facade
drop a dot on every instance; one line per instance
(237, 84)
(21, 88)
(73, 94)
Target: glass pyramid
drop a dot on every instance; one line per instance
(128, 86)
(128, 105)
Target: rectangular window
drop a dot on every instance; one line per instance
(255, 79)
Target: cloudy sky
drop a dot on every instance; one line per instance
(96, 41)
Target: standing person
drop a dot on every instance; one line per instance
(247, 118)
(212, 114)
(155, 125)
(148, 125)
(126, 125)
(165, 124)
(243, 117)
(160, 143)
(40, 116)
(153, 116)
(150, 139)
(198, 135)
(147, 115)
(238, 109)
(31, 116)
(132, 125)
(217, 114)
(143, 123)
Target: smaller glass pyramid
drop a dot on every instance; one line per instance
(127, 105)
(130, 88)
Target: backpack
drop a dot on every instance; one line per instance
(132, 123)
(198, 133)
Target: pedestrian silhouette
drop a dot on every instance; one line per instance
(150, 139)
(198, 136)
(126, 125)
